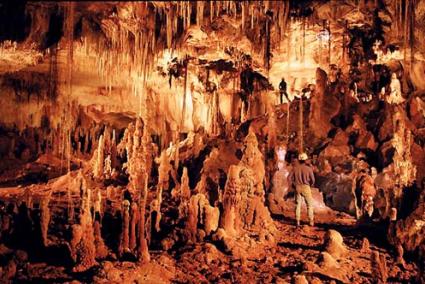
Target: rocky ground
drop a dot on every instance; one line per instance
(298, 252)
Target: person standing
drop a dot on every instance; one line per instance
(302, 178)
(282, 90)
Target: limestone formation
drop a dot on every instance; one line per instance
(334, 244)
(151, 141)
(202, 218)
(125, 238)
(82, 245)
(44, 219)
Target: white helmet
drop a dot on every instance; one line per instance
(302, 157)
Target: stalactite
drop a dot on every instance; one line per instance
(188, 13)
(212, 13)
(301, 138)
(169, 26)
(406, 30)
(267, 52)
(412, 32)
(251, 12)
(303, 29)
(68, 154)
(199, 12)
(400, 15)
(186, 66)
(329, 42)
(243, 15)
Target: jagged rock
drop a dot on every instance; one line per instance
(417, 112)
(386, 154)
(327, 261)
(366, 141)
(300, 279)
(335, 152)
(418, 158)
(201, 213)
(365, 246)
(212, 217)
(410, 232)
(386, 129)
(334, 244)
(324, 107)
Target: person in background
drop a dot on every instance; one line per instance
(282, 90)
(302, 178)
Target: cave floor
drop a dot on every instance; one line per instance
(296, 251)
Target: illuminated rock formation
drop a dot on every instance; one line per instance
(148, 142)
(82, 245)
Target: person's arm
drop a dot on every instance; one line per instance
(312, 179)
(290, 179)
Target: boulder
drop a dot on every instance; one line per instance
(326, 261)
(366, 141)
(334, 245)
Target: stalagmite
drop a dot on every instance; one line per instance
(135, 218)
(144, 255)
(141, 142)
(230, 200)
(164, 171)
(183, 194)
(45, 218)
(379, 268)
(125, 238)
(99, 159)
(82, 245)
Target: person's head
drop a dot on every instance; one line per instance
(302, 158)
(283, 78)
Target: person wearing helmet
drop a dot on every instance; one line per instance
(302, 178)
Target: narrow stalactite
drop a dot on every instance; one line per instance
(186, 66)
(406, 30)
(412, 32)
(301, 126)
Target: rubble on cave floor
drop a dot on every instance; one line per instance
(298, 251)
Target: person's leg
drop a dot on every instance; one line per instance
(298, 207)
(306, 192)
